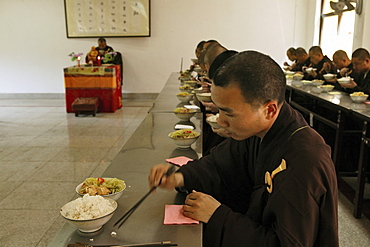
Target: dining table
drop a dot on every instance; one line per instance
(337, 109)
(149, 145)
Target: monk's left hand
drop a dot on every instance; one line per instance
(200, 206)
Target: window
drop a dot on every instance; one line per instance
(336, 32)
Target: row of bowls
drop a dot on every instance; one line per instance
(319, 88)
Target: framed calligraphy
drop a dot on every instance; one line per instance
(108, 18)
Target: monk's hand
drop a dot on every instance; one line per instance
(200, 206)
(351, 84)
(158, 177)
(210, 106)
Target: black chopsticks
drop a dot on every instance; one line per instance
(156, 244)
(131, 210)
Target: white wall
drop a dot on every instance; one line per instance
(34, 46)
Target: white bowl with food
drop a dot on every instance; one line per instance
(198, 90)
(289, 72)
(358, 97)
(317, 82)
(344, 80)
(192, 83)
(317, 90)
(310, 70)
(89, 213)
(184, 113)
(212, 120)
(328, 76)
(206, 97)
(184, 96)
(186, 88)
(297, 83)
(297, 77)
(306, 82)
(184, 138)
(111, 188)
(327, 88)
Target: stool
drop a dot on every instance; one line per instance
(87, 105)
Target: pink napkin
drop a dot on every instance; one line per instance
(173, 216)
(179, 161)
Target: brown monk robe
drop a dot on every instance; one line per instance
(301, 209)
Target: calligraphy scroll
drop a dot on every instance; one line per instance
(108, 18)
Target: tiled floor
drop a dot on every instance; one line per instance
(45, 153)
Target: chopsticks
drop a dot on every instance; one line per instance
(131, 210)
(155, 244)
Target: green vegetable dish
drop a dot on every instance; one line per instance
(101, 186)
(183, 133)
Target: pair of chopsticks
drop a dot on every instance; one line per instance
(131, 210)
(156, 244)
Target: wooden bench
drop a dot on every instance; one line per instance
(85, 105)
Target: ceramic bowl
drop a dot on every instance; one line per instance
(212, 120)
(89, 225)
(206, 97)
(329, 76)
(317, 82)
(316, 89)
(184, 97)
(326, 88)
(184, 142)
(344, 80)
(359, 99)
(182, 115)
(297, 77)
(113, 196)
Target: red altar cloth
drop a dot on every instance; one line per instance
(103, 82)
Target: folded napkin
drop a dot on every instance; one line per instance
(192, 107)
(183, 126)
(173, 216)
(179, 161)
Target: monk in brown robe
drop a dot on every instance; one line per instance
(272, 183)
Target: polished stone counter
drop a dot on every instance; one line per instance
(149, 145)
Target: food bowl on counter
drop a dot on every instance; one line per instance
(297, 83)
(287, 72)
(328, 76)
(344, 80)
(326, 88)
(317, 90)
(192, 83)
(306, 82)
(186, 88)
(297, 77)
(111, 188)
(184, 96)
(184, 138)
(184, 113)
(89, 213)
(358, 97)
(317, 82)
(206, 97)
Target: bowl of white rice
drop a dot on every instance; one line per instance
(89, 213)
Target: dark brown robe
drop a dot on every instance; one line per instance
(302, 208)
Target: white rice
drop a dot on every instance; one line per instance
(88, 207)
(213, 118)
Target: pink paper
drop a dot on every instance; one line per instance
(179, 161)
(173, 216)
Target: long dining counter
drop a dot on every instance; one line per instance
(336, 110)
(149, 145)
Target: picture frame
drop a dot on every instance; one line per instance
(107, 18)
